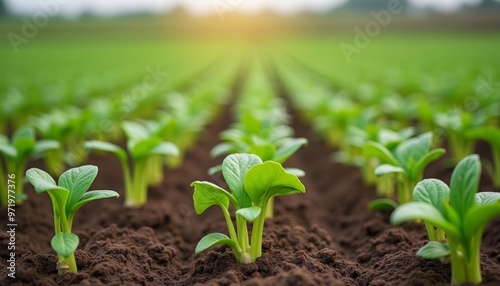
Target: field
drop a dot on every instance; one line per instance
(73, 87)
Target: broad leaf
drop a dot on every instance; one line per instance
(478, 216)
(382, 205)
(165, 149)
(43, 182)
(288, 149)
(24, 141)
(43, 146)
(419, 210)
(295, 171)
(221, 149)
(434, 249)
(213, 239)
(8, 150)
(250, 213)
(434, 192)
(65, 244)
(106, 147)
(77, 181)
(385, 169)
(214, 170)
(486, 198)
(143, 147)
(207, 194)
(265, 151)
(413, 150)
(234, 169)
(431, 156)
(374, 149)
(269, 179)
(135, 131)
(464, 184)
(93, 196)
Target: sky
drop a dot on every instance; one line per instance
(198, 7)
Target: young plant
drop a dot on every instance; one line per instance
(16, 153)
(252, 183)
(406, 163)
(143, 152)
(67, 196)
(457, 211)
(490, 134)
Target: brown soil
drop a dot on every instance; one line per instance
(323, 237)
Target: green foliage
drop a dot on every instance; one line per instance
(455, 218)
(144, 149)
(67, 196)
(15, 154)
(253, 184)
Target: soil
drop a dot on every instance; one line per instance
(326, 236)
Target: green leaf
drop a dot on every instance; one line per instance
(486, 198)
(385, 169)
(288, 149)
(420, 210)
(213, 239)
(464, 184)
(143, 147)
(478, 216)
(24, 141)
(135, 131)
(431, 156)
(165, 149)
(77, 181)
(43, 146)
(413, 150)
(93, 196)
(491, 134)
(234, 169)
(434, 249)
(65, 244)
(8, 150)
(207, 194)
(269, 179)
(43, 182)
(295, 171)
(265, 151)
(382, 205)
(106, 147)
(221, 149)
(214, 170)
(374, 149)
(434, 192)
(250, 213)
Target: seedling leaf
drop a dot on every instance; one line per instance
(207, 194)
(65, 244)
(382, 205)
(92, 196)
(434, 249)
(213, 239)
(486, 198)
(386, 169)
(288, 149)
(464, 184)
(434, 192)
(269, 179)
(78, 181)
(250, 213)
(234, 169)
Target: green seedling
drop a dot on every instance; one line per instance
(490, 134)
(16, 152)
(455, 218)
(252, 184)
(405, 164)
(67, 196)
(144, 151)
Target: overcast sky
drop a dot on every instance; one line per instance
(200, 7)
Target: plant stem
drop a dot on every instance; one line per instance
(230, 225)
(257, 231)
(474, 259)
(66, 228)
(496, 166)
(241, 225)
(270, 208)
(404, 191)
(431, 231)
(458, 265)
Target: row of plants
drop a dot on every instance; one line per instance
(64, 136)
(392, 138)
